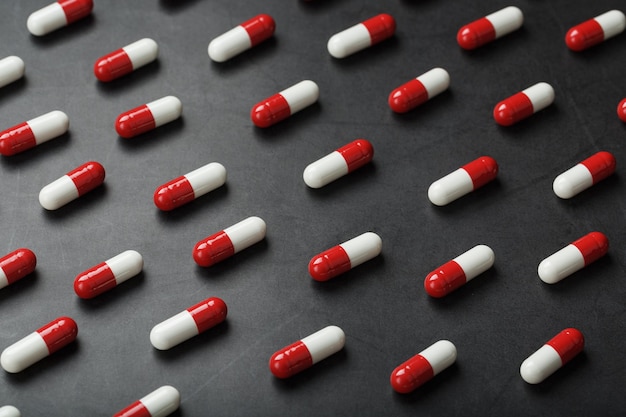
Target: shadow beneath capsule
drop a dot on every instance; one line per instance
(200, 204)
(74, 30)
(583, 280)
(114, 295)
(558, 380)
(135, 79)
(370, 270)
(48, 366)
(466, 292)
(334, 363)
(379, 52)
(14, 88)
(318, 5)
(174, 6)
(594, 195)
(482, 196)
(201, 342)
(247, 59)
(362, 176)
(286, 128)
(80, 204)
(31, 156)
(438, 104)
(153, 137)
(18, 287)
(434, 385)
(534, 126)
(226, 267)
(513, 43)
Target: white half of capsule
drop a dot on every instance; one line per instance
(162, 401)
(246, 233)
(506, 20)
(49, 126)
(46, 19)
(349, 41)
(435, 81)
(451, 187)
(11, 69)
(9, 411)
(325, 170)
(324, 343)
(165, 110)
(612, 23)
(362, 248)
(206, 178)
(58, 193)
(142, 52)
(573, 181)
(476, 261)
(125, 265)
(229, 44)
(440, 355)
(561, 264)
(540, 365)
(541, 95)
(173, 331)
(301, 95)
(23, 353)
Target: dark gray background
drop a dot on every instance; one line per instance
(496, 321)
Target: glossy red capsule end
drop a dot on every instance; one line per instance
(584, 36)
(380, 27)
(568, 343)
(259, 28)
(94, 281)
(600, 165)
(444, 280)
(87, 176)
(76, 9)
(357, 153)
(592, 246)
(328, 264)
(112, 66)
(213, 249)
(58, 333)
(513, 109)
(411, 374)
(135, 122)
(269, 111)
(621, 110)
(482, 170)
(174, 194)
(17, 264)
(17, 139)
(208, 313)
(408, 96)
(136, 409)
(476, 34)
(290, 360)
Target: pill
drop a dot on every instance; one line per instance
(342, 258)
(108, 275)
(241, 38)
(229, 241)
(188, 187)
(583, 175)
(573, 257)
(338, 163)
(559, 350)
(489, 28)
(126, 60)
(621, 110)
(56, 15)
(361, 36)
(159, 403)
(455, 273)
(423, 367)
(16, 265)
(305, 353)
(284, 104)
(9, 411)
(523, 104)
(38, 345)
(189, 323)
(149, 116)
(419, 90)
(463, 181)
(595, 31)
(11, 69)
(33, 132)
(72, 185)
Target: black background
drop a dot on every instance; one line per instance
(496, 321)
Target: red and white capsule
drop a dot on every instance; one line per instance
(72, 185)
(126, 60)
(419, 90)
(361, 36)
(284, 104)
(38, 345)
(489, 28)
(557, 351)
(463, 181)
(229, 241)
(338, 163)
(189, 323)
(241, 38)
(422, 367)
(33, 132)
(11, 69)
(595, 31)
(57, 15)
(190, 186)
(583, 175)
(159, 403)
(342, 258)
(149, 116)
(523, 104)
(108, 275)
(305, 353)
(573, 257)
(16, 265)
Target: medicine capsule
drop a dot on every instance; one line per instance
(455, 273)
(72, 185)
(33, 132)
(189, 323)
(419, 90)
(16, 265)
(108, 275)
(559, 350)
(585, 174)
(423, 367)
(11, 69)
(490, 28)
(361, 36)
(338, 163)
(159, 403)
(241, 38)
(229, 241)
(595, 31)
(463, 181)
(342, 258)
(147, 117)
(523, 104)
(284, 104)
(188, 187)
(621, 110)
(9, 411)
(573, 257)
(305, 353)
(58, 14)
(126, 60)
(38, 345)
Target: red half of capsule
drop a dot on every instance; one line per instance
(482, 170)
(259, 28)
(593, 246)
(568, 343)
(357, 153)
(269, 111)
(329, 264)
(87, 176)
(621, 110)
(76, 9)
(136, 409)
(17, 139)
(444, 279)
(513, 109)
(476, 34)
(600, 165)
(174, 194)
(213, 249)
(135, 122)
(208, 313)
(584, 36)
(380, 27)
(58, 333)
(113, 66)
(17, 264)
(290, 360)
(408, 96)
(411, 374)
(94, 281)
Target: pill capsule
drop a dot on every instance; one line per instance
(595, 31)
(284, 104)
(523, 104)
(11, 69)
(56, 15)
(189, 323)
(37, 345)
(149, 116)
(621, 110)
(419, 90)
(338, 163)
(159, 403)
(342, 258)
(126, 60)
(490, 28)
(361, 36)
(188, 187)
(16, 265)
(229, 241)
(305, 353)
(9, 411)
(72, 185)
(108, 275)
(583, 175)
(33, 132)
(423, 367)
(559, 350)
(241, 38)
(463, 181)
(573, 257)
